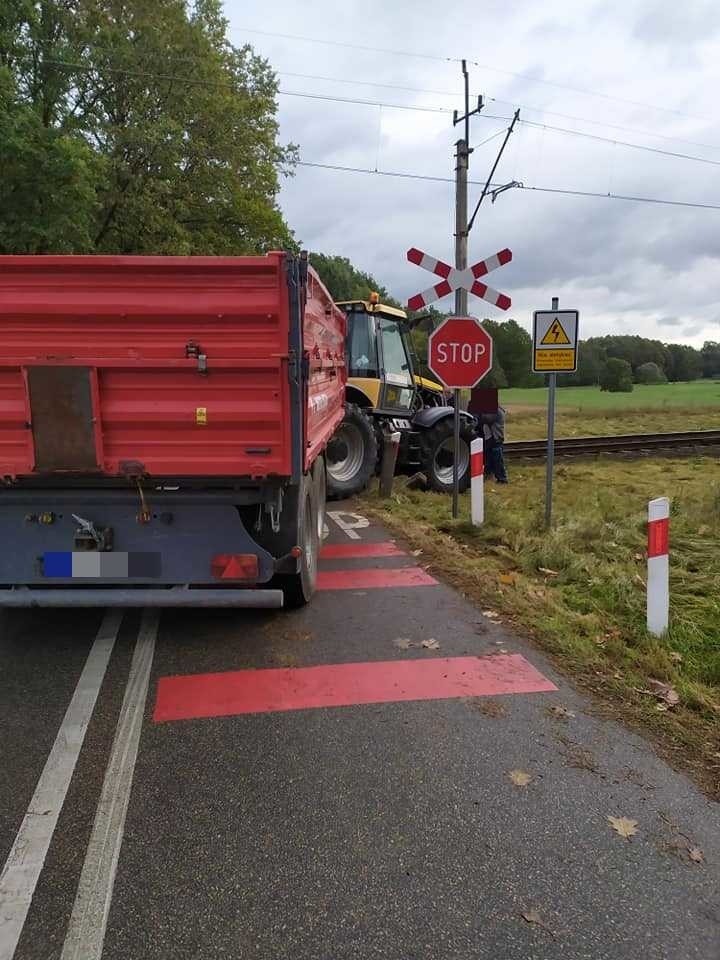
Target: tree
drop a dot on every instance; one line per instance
(617, 376)
(591, 363)
(346, 282)
(512, 349)
(650, 373)
(182, 125)
(635, 350)
(710, 354)
(685, 362)
(48, 188)
(496, 377)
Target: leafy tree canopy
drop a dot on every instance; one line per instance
(617, 376)
(135, 127)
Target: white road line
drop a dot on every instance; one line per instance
(349, 523)
(86, 932)
(27, 856)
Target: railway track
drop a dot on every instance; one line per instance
(638, 443)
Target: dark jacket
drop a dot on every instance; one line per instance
(494, 425)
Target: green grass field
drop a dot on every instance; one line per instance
(587, 411)
(698, 393)
(580, 588)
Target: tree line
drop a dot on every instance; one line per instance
(135, 127)
(613, 363)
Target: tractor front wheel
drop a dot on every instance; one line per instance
(437, 446)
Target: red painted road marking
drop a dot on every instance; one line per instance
(347, 551)
(370, 579)
(344, 685)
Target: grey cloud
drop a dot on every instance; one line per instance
(667, 22)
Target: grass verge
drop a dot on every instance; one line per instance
(531, 424)
(579, 589)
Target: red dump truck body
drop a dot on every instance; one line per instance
(181, 365)
(160, 376)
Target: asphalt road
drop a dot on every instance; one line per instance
(268, 824)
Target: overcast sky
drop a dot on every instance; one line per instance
(651, 66)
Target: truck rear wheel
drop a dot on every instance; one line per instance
(299, 587)
(437, 446)
(320, 490)
(351, 454)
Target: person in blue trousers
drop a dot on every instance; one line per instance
(493, 426)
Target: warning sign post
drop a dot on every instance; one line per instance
(555, 349)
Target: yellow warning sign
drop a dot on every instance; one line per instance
(555, 335)
(554, 361)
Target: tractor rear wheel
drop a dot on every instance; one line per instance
(437, 450)
(351, 454)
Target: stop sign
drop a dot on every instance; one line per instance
(460, 352)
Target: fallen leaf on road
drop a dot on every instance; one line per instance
(548, 573)
(532, 916)
(490, 708)
(520, 778)
(402, 643)
(625, 827)
(560, 712)
(675, 656)
(430, 644)
(491, 614)
(696, 855)
(664, 692)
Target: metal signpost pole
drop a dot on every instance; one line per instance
(552, 383)
(461, 296)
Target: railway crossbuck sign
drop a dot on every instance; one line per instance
(455, 279)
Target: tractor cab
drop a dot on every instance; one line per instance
(380, 365)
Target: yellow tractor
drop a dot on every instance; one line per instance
(385, 395)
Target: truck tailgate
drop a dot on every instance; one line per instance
(168, 366)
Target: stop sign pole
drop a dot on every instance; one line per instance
(460, 355)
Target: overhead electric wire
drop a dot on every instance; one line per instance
(619, 143)
(475, 63)
(521, 186)
(510, 103)
(380, 103)
(367, 103)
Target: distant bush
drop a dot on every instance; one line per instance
(617, 376)
(650, 373)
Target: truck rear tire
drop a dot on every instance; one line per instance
(299, 587)
(437, 453)
(351, 454)
(320, 491)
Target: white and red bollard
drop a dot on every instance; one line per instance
(477, 482)
(658, 566)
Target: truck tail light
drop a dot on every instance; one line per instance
(235, 566)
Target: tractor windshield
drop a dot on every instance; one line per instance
(362, 349)
(394, 355)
